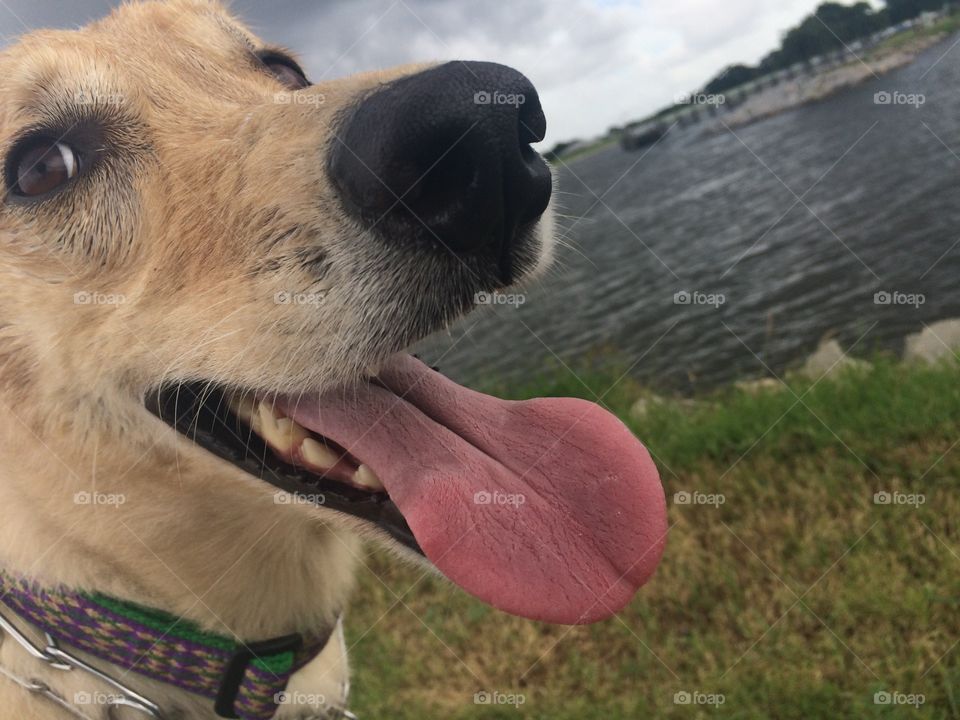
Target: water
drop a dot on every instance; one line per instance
(880, 211)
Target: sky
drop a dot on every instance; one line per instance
(595, 63)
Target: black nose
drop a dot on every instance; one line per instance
(444, 155)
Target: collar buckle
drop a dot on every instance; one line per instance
(237, 668)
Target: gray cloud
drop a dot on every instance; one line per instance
(596, 62)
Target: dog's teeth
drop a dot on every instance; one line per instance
(291, 434)
(318, 455)
(282, 433)
(266, 422)
(244, 408)
(269, 410)
(365, 477)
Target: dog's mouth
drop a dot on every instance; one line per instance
(249, 430)
(549, 509)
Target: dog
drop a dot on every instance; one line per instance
(211, 269)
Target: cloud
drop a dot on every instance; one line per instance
(595, 62)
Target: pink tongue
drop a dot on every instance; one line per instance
(548, 508)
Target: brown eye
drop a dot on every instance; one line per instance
(44, 167)
(286, 71)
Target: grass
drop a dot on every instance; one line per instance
(798, 597)
(595, 147)
(947, 25)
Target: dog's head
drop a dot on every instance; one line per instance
(191, 225)
(262, 230)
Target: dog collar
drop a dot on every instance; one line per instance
(243, 680)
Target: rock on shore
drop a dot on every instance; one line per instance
(934, 342)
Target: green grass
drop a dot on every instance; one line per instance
(596, 147)
(799, 597)
(947, 25)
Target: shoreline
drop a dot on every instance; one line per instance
(895, 53)
(932, 345)
(808, 90)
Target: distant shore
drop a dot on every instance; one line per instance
(809, 89)
(895, 52)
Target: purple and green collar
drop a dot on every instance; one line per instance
(242, 680)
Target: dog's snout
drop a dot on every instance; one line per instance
(445, 155)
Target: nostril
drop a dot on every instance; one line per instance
(533, 123)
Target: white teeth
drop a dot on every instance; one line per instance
(366, 478)
(318, 455)
(281, 432)
(285, 436)
(244, 407)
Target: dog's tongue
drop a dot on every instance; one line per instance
(548, 508)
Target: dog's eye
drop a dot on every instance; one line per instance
(285, 70)
(43, 166)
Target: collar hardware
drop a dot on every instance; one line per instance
(238, 665)
(242, 680)
(54, 656)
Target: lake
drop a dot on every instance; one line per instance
(781, 233)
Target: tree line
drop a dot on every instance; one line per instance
(829, 28)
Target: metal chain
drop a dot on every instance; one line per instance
(39, 688)
(55, 657)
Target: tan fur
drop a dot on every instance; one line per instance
(215, 200)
